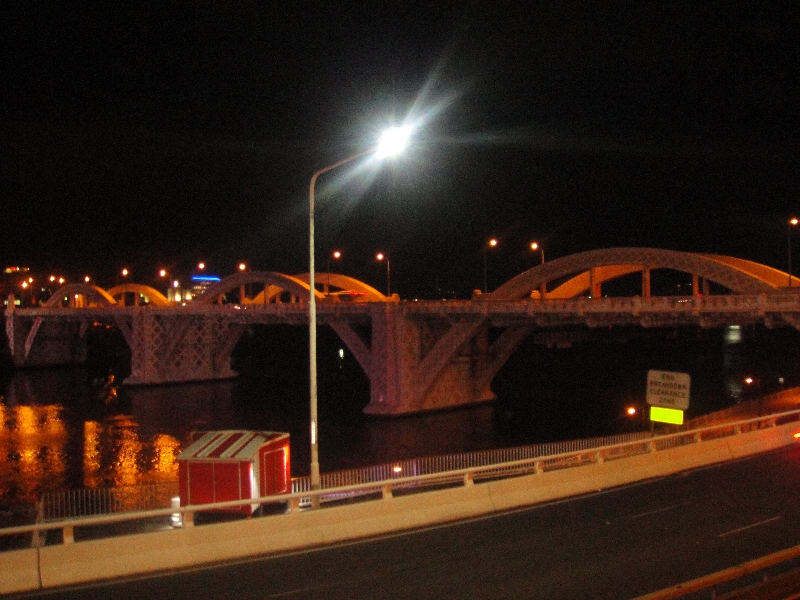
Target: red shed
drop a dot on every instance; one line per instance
(220, 466)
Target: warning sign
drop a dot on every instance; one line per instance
(668, 389)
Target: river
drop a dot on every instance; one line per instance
(75, 427)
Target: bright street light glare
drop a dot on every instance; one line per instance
(393, 141)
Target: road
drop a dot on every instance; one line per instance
(617, 543)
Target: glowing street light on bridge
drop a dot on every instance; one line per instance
(792, 223)
(393, 141)
(336, 255)
(380, 257)
(537, 246)
(492, 243)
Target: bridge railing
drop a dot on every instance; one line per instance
(452, 462)
(84, 502)
(403, 484)
(776, 302)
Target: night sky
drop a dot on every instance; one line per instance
(163, 133)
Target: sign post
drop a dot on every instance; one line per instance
(667, 395)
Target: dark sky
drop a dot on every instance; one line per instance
(163, 133)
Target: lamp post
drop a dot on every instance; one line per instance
(490, 244)
(536, 246)
(381, 257)
(393, 141)
(337, 255)
(792, 223)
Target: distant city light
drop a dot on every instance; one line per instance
(631, 411)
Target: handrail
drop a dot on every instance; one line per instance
(465, 476)
(709, 581)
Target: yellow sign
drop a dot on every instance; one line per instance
(666, 415)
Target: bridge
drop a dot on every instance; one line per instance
(418, 354)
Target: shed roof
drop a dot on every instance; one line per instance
(229, 444)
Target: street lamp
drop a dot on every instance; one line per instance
(792, 223)
(336, 254)
(491, 244)
(393, 141)
(380, 256)
(535, 246)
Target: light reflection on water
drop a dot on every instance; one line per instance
(56, 433)
(59, 429)
(32, 442)
(65, 428)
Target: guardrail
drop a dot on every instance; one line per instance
(70, 504)
(468, 476)
(452, 462)
(713, 581)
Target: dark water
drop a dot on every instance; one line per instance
(68, 428)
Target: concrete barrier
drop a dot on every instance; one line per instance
(19, 571)
(168, 550)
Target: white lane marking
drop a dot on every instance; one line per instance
(660, 510)
(732, 531)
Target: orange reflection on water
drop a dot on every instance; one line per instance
(166, 448)
(126, 449)
(92, 476)
(32, 449)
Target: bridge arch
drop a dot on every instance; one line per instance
(596, 266)
(345, 283)
(153, 295)
(80, 295)
(296, 285)
(274, 284)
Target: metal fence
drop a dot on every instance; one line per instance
(453, 462)
(66, 504)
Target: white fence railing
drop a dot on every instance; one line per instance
(84, 502)
(385, 488)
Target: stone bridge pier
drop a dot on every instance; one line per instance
(168, 346)
(57, 342)
(419, 364)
